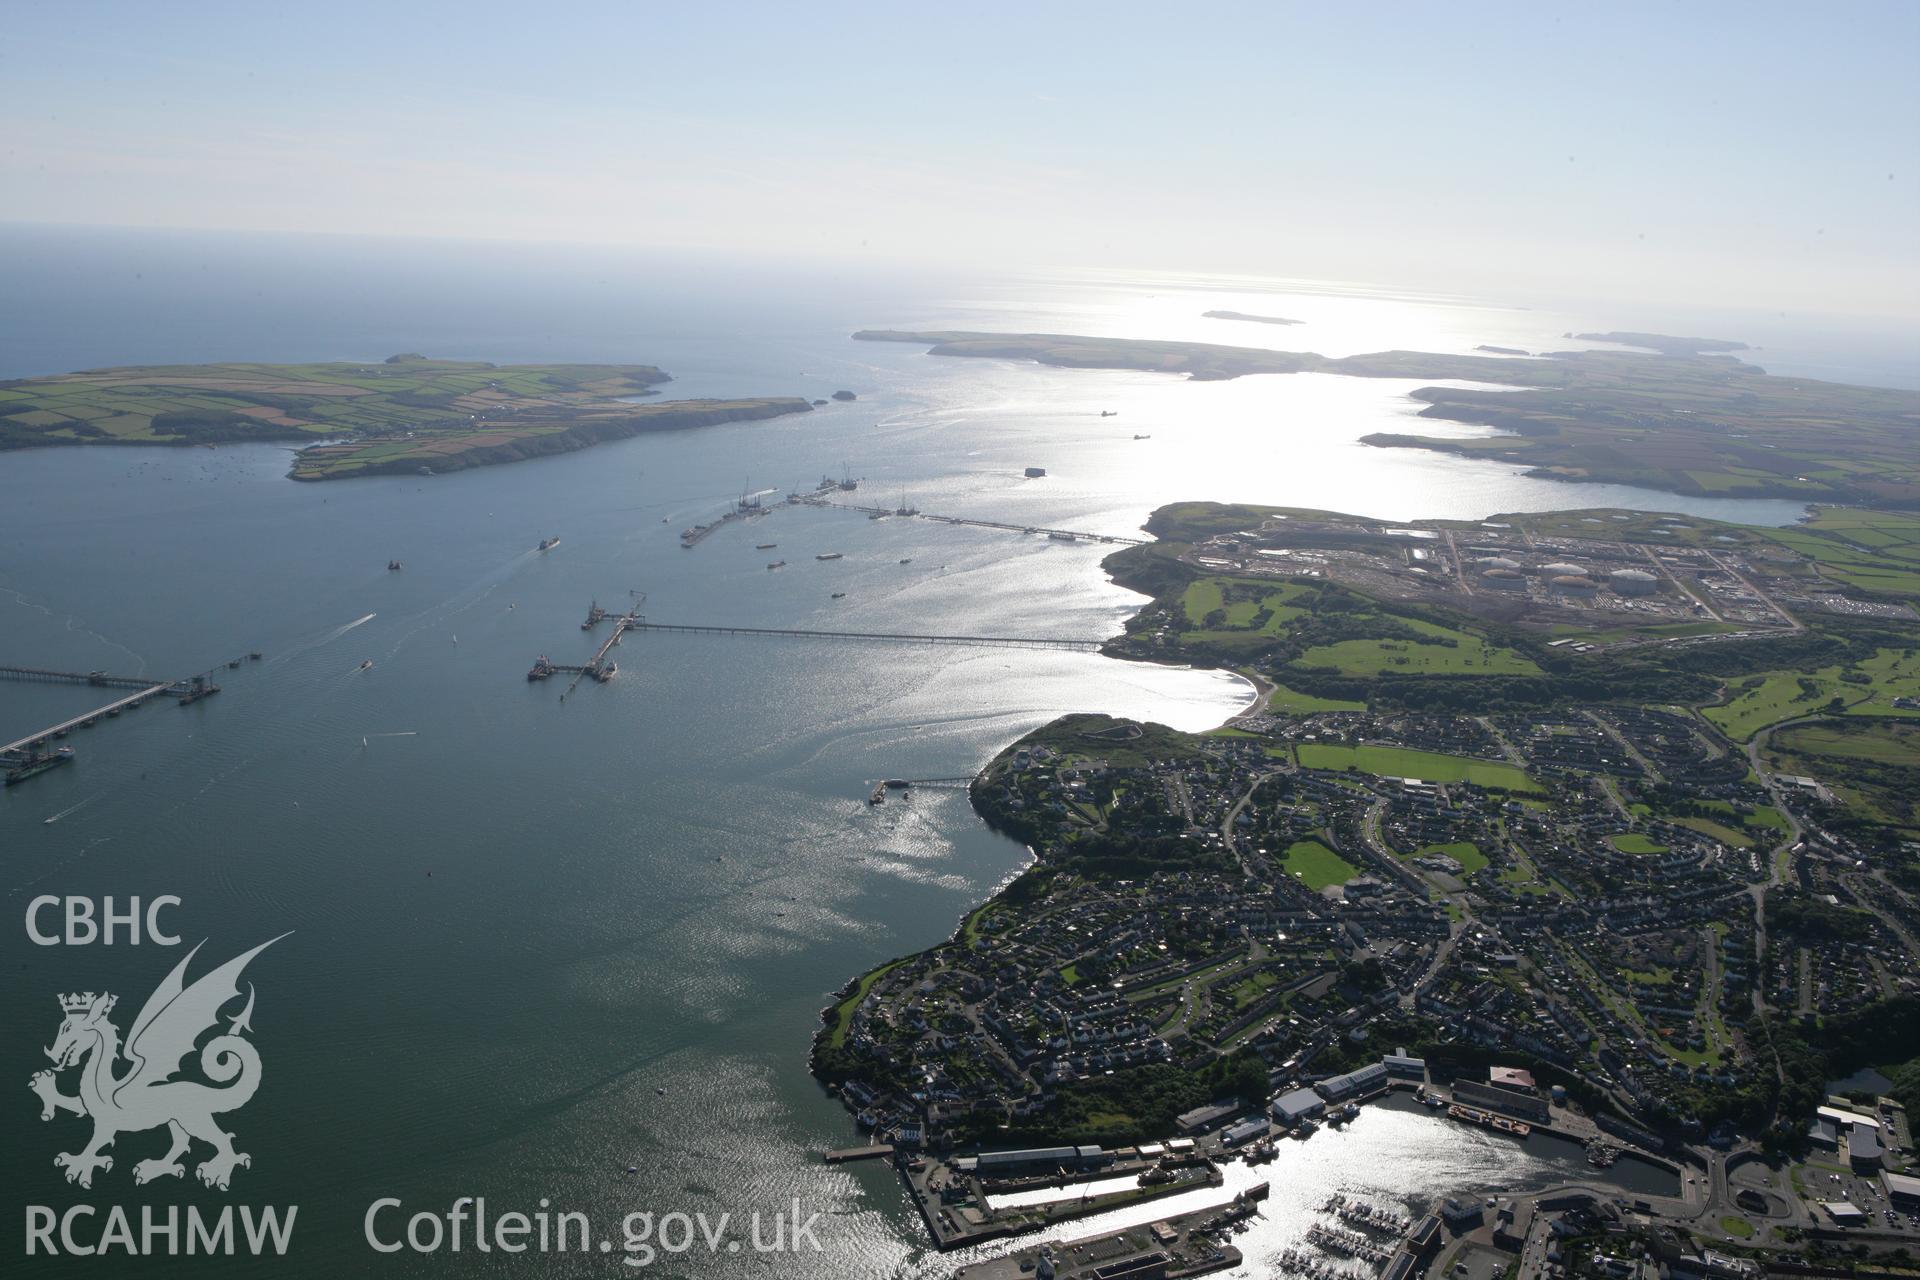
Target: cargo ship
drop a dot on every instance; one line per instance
(828, 555)
(540, 669)
(1490, 1120)
(746, 508)
(1034, 473)
(36, 765)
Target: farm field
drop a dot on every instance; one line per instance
(407, 414)
(1877, 551)
(216, 403)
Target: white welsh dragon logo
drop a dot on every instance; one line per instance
(146, 1097)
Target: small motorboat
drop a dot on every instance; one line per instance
(839, 595)
(366, 663)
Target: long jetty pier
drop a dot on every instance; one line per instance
(602, 668)
(801, 633)
(27, 751)
(1060, 535)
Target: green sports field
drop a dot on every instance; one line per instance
(1402, 762)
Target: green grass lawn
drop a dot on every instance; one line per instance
(1779, 695)
(1737, 1226)
(1317, 866)
(1286, 700)
(1211, 618)
(1719, 831)
(1634, 842)
(1201, 599)
(843, 1016)
(1467, 655)
(1250, 988)
(1403, 762)
(1868, 764)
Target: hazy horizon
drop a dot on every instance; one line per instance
(1746, 157)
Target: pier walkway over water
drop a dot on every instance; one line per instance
(1002, 642)
(191, 689)
(1062, 535)
(602, 668)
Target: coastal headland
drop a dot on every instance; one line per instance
(406, 415)
(1683, 416)
(1512, 802)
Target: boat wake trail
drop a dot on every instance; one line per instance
(74, 624)
(47, 822)
(328, 638)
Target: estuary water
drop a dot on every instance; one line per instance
(573, 949)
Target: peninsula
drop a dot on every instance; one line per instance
(1685, 419)
(1597, 823)
(406, 415)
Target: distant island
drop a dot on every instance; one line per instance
(1686, 420)
(1492, 350)
(1247, 316)
(1665, 344)
(406, 415)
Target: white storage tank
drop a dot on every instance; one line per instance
(1633, 582)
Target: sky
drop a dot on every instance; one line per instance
(1700, 153)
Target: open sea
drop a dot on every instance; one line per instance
(537, 942)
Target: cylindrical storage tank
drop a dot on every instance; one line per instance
(1633, 582)
(1499, 562)
(1562, 569)
(1503, 580)
(1573, 585)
